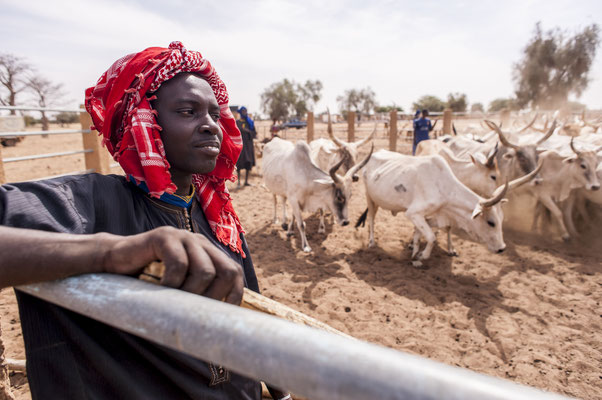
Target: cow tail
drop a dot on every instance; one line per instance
(362, 219)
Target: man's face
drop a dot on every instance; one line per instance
(188, 113)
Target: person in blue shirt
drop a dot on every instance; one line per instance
(422, 127)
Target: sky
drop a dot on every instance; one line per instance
(400, 49)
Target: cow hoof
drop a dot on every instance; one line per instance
(289, 234)
(417, 263)
(321, 230)
(371, 244)
(566, 238)
(307, 249)
(452, 253)
(285, 226)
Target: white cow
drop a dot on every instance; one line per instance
(327, 153)
(560, 176)
(431, 196)
(289, 172)
(478, 173)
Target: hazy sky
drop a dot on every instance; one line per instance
(401, 49)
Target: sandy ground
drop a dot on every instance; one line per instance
(531, 314)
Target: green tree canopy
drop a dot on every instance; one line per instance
(386, 109)
(555, 65)
(501, 103)
(431, 103)
(285, 99)
(457, 102)
(362, 101)
(477, 107)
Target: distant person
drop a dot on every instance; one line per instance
(422, 127)
(246, 161)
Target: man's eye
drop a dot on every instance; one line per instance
(186, 111)
(215, 117)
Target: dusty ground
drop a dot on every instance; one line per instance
(531, 314)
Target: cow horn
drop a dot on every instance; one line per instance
(526, 178)
(491, 159)
(503, 139)
(366, 139)
(333, 170)
(498, 195)
(573, 147)
(454, 129)
(529, 124)
(357, 167)
(332, 137)
(547, 135)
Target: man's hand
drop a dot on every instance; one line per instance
(192, 262)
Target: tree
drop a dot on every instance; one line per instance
(362, 101)
(12, 72)
(477, 107)
(46, 94)
(431, 103)
(65, 118)
(457, 102)
(555, 65)
(287, 98)
(501, 103)
(386, 109)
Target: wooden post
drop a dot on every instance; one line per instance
(393, 130)
(351, 126)
(505, 118)
(98, 159)
(447, 121)
(2, 176)
(310, 126)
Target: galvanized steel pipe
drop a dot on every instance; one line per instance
(310, 363)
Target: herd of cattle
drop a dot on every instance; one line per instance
(455, 181)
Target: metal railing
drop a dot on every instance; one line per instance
(311, 363)
(47, 155)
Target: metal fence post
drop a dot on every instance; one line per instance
(97, 159)
(351, 126)
(393, 130)
(310, 126)
(447, 121)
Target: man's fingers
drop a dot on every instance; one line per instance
(175, 257)
(201, 271)
(235, 296)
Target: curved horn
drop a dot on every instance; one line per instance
(332, 137)
(366, 139)
(454, 129)
(498, 195)
(529, 124)
(503, 139)
(491, 159)
(547, 135)
(357, 167)
(526, 178)
(333, 170)
(573, 147)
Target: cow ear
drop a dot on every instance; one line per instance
(323, 181)
(473, 160)
(508, 156)
(477, 211)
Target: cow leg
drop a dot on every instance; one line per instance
(450, 246)
(415, 246)
(568, 215)
(420, 223)
(536, 215)
(291, 228)
(372, 209)
(300, 225)
(276, 221)
(322, 227)
(557, 213)
(284, 216)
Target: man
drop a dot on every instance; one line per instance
(246, 161)
(422, 127)
(164, 117)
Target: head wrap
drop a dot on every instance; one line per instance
(247, 118)
(121, 112)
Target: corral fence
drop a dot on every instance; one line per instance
(96, 159)
(311, 363)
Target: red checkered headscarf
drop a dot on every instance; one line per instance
(121, 111)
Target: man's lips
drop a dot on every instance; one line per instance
(210, 147)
